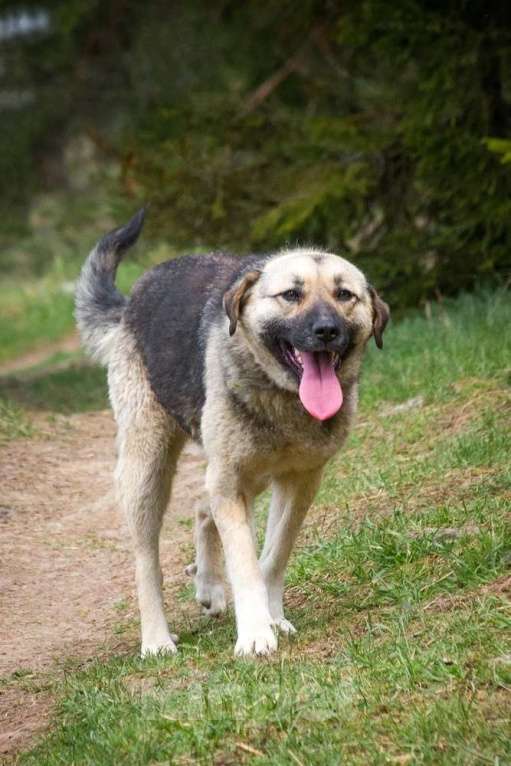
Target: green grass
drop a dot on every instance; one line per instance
(14, 423)
(398, 590)
(466, 338)
(66, 383)
(31, 314)
(41, 311)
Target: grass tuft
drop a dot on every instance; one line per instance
(14, 423)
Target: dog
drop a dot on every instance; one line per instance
(256, 358)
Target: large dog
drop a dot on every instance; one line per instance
(256, 358)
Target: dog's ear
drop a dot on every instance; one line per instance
(235, 297)
(381, 314)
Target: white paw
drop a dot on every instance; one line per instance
(258, 642)
(284, 626)
(211, 596)
(159, 648)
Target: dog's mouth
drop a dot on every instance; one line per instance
(319, 389)
(295, 360)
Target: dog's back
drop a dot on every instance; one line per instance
(168, 315)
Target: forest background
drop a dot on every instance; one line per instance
(377, 129)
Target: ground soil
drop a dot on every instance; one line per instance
(66, 573)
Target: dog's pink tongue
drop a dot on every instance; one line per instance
(320, 391)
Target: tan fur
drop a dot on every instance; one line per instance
(279, 444)
(149, 443)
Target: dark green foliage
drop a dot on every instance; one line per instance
(376, 147)
(373, 128)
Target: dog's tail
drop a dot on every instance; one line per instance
(99, 305)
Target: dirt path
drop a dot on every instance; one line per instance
(66, 574)
(40, 354)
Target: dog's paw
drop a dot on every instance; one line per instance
(258, 642)
(211, 596)
(159, 648)
(284, 626)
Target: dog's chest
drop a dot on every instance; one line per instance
(268, 433)
(291, 458)
(291, 446)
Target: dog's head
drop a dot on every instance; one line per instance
(307, 315)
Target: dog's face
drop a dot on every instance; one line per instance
(304, 315)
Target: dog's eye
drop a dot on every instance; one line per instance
(292, 296)
(344, 295)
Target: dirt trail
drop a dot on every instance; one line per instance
(66, 572)
(40, 354)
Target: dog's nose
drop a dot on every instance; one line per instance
(325, 331)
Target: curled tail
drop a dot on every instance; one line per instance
(99, 305)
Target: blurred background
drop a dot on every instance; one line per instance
(380, 130)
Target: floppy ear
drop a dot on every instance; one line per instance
(381, 314)
(235, 297)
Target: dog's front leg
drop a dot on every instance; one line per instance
(292, 495)
(230, 511)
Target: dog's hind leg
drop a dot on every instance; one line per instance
(149, 444)
(148, 453)
(209, 567)
(291, 498)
